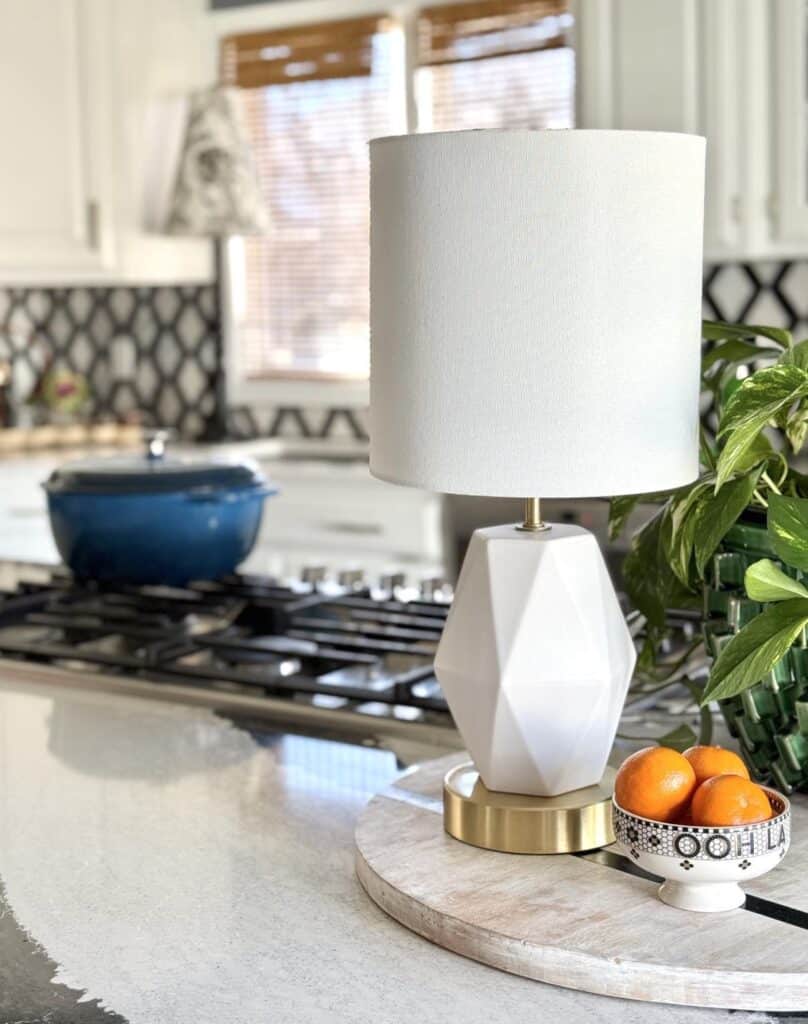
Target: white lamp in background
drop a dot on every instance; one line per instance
(535, 330)
(217, 195)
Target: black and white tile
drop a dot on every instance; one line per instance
(772, 293)
(150, 350)
(154, 350)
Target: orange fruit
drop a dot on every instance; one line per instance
(655, 783)
(711, 761)
(729, 800)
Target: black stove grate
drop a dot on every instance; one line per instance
(331, 647)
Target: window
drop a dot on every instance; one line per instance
(495, 65)
(314, 96)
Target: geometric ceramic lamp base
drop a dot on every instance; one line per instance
(581, 820)
(535, 659)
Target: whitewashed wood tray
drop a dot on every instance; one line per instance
(583, 921)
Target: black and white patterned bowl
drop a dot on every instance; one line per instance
(703, 866)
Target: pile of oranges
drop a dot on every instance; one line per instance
(702, 786)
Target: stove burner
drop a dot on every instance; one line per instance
(345, 649)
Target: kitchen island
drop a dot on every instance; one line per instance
(160, 863)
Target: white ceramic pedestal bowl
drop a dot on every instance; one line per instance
(703, 866)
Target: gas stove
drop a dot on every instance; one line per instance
(327, 652)
(313, 647)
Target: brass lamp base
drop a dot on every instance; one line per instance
(511, 823)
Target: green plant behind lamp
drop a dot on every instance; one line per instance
(761, 420)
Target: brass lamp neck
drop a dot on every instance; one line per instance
(533, 523)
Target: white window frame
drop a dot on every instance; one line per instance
(264, 393)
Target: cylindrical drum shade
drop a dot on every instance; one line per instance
(535, 311)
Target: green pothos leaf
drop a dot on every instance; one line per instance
(796, 427)
(765, 581)
(717, 330)
(787, 522)
(650, 582)
(753, 652)
(796, 484)
(797, 356)
(735, 351)
(758, 452)
(707, 454)
(717, 513)
(679, 533)
(759, 398)
(728, 384)
(697, 520)
(620, 509)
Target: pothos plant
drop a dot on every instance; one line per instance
(755, 422)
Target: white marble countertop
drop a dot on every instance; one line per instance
(169, 866)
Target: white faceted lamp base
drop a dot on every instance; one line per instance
(535, 659)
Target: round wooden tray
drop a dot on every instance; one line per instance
(584, 921)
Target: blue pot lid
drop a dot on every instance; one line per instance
(143, 475)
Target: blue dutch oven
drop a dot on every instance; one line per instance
(155, 519)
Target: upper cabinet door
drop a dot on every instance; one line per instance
(735, 71)
(791, 72)
(663, 66)
(54, 199)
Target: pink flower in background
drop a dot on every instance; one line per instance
(65, 388)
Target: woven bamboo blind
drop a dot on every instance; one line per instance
(487, 28)
(495, 64)
(333, 49)
(314, 95)
(305, 311)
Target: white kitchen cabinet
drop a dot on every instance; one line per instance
(334, 513)
(162, 50)
(54, 175)
(790, 201)
(732, 70)
(82, 83)
(25, 534)
(656, 65)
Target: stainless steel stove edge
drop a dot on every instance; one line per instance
(353, 726)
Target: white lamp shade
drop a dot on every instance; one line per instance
(217, 191)
(535, 311)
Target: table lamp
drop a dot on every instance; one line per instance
(535, 331)
(217, 194)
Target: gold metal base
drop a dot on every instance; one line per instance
(472, 813)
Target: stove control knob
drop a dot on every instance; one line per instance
(313, 574)
(391, 580)
(352, 578)
(435, 588)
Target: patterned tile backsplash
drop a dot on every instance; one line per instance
(146, 350)
(154, 350)
(759, 293)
